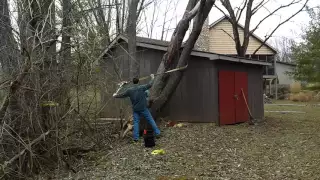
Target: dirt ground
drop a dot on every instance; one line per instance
(283, 146)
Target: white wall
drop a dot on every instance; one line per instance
(281, 70)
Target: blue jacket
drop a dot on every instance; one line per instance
(138, 95)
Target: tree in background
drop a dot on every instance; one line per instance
(306, 54)
(249, 8)
(8, 45)
(283, 45)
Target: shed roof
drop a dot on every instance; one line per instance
(225, 17)
(162, 46)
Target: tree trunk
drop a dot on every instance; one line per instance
(165, 85)
(65, 64)
(8, 46)
(66, 32)
(172, 52)
(118, 17)
(103, 23)
(131, 31)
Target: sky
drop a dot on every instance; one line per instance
(151, 20)
(291, 29)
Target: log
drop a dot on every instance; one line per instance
(75, 150)
(298, 112)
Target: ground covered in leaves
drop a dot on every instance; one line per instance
(283, 146)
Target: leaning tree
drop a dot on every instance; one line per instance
(165, 84)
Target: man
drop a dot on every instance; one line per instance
(137, 94)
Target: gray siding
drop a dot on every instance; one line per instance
(196, 97)
(149, 60)
(255, 92)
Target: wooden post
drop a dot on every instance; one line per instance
(276, 76)
(270, 80)
(266, 68)
(121, 120)
(276, 88)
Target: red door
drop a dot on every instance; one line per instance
(241, 82)
(232, 107)
(226, 99)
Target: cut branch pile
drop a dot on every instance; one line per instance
(28, 148)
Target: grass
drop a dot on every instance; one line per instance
(284, 146)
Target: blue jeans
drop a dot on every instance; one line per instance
(136, 119)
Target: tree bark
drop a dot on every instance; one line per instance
(234, 23)
(131, 31)
(165, 85)
(172, 51)
(118, 17)
(65, 76)
(8, 46)
(105, 24)
(66, 32)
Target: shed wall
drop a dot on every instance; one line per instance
(196, 97)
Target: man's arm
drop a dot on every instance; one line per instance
(123, 94)
(149, 85)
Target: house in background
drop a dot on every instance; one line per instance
(217, 38)
(282, 69)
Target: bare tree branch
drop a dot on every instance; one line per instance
(233, 20)
(225, 14)
(247, 26)
(33, 142)
(283, 22)
(164, 19)
(250, 11)
(227, 33)
(260, 5)
(241, 10)
(273, 12)
(193, 12)
(141, 7)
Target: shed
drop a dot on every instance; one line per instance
(210, 90)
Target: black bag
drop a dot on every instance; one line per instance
(148, 138)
